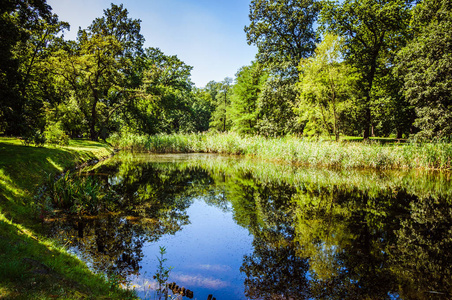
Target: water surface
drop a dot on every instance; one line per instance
(242, 229)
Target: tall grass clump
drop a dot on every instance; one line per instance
(292, 149)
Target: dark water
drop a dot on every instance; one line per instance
(242, 229)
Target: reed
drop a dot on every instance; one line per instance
(290, 149)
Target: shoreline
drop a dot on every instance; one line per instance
(33, 266)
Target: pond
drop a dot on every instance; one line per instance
(238, 228)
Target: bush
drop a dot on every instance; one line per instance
(55, 134)
(35, 137)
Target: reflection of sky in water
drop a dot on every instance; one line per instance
(206, 255)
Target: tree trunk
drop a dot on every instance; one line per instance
(367, 122)
(93, 133)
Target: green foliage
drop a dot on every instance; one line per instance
(368, 45)
(28, 30)
(282, 30)
(165, 101)
(95, 68)
(34, 136)
(162, 274)
(326, 84)
(276, 116)
(220, 119)
(425, 66)
(55, 135)
(77, 195)
(245, 97)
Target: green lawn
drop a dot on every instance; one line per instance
(32, 266)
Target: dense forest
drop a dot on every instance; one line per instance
(352, 67)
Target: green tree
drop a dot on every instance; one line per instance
(425, 65)
(370, 29)
(97, 67)
(220, 117)
(203, 108)
(27, 32)
(93, 73)
(326, 84)
(245, 95)
(282, 30)
(277, 101)
(164, 100)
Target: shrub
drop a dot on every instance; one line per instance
(34, 136)
(55, 134)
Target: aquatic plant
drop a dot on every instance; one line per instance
(162, 274)
(76, 194)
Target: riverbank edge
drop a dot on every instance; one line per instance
(377, 154)
(33, 266)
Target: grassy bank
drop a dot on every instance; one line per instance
(296, 150)
(32, 266)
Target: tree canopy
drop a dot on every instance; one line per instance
(388, 75)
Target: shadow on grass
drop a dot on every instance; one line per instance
(23, 169)
(31, 266)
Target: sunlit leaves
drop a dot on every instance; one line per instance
(326, 82)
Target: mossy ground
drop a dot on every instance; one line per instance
(31, 265)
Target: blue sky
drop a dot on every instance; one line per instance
(205, 34)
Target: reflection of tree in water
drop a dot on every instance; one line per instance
(344, 233)
(334, 242)
(310, 240)
(350, 239)
(422, 257)
(273, 271)
(153, 203)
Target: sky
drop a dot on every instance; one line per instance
(205, 34)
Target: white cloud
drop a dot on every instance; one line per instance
(192, 281)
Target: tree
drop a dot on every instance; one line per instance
(370, 29)
(202, 108)
(165, 95)
(425, 65)
(220, 117)
(326, 84)
(276, 103)
(92, 71)
(245, 95)
(98, 67)
(26, 31)
(126, 31)
(282, 30)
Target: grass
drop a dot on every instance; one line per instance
(347, 154)
(32, 266)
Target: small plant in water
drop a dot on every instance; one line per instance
(162, 275)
